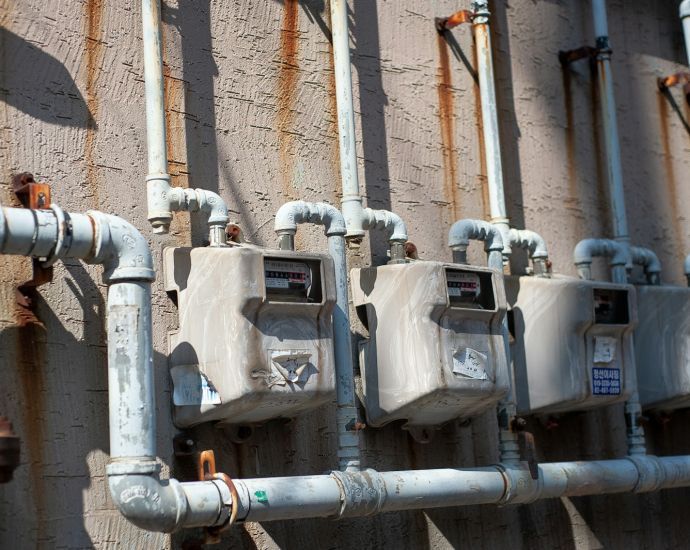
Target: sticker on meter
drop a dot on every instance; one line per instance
(465, 285)
(286, 275)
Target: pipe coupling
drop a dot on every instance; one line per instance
(361, 493)
(520, 487)
(651, 473)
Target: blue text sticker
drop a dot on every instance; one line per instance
(606, 381)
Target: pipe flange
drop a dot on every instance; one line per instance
(127, 467)
(64, 235)
(361, 493)
(520, 488)
(651, 473)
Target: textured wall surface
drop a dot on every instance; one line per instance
(251, 115)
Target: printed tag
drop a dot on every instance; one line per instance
(292, 275)
(469, 362)
(606, 381)
(191, 387)
(462, 284)
(604, 349)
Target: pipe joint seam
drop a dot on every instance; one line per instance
(463, 231)
(520, 488)
(121, 248)
(319, 213)
(361, 493)
(529, 240)
(384, 220)
(651, 473)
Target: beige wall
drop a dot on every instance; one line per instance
(251, 114)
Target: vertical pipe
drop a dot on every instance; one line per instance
(348, 439)
(608, 106)
(158, 179)
(351, 201)
(685, 17)
(492, 145)
(130, 371)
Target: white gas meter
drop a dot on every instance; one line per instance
(572, 348)
(662, 347)
(435, 350)
(255, 339)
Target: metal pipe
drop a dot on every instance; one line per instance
(649, 261)
(535, 245)
(133, 473)
(685, 18)
(587, 249)
(287, 218)
(459, 236)
(163, 199)
(367, 493)
(610, 125)
(357, 218)
(686, 268)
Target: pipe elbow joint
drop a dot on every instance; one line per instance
(649, 261)
(587, 249)
(466, 230)
(383, 220)
(148, 502)
(214, 206)
(319, 213)
(531, 241)
(121, 248)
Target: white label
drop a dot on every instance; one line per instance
(462, 284)
(286, 274)
(191, 387)
(469, 362)
(604, 349)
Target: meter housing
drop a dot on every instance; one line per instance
(662, 347)
(435, 350)
(255, 336)
(571, 343)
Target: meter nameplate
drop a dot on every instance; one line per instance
(606, 381)
(465, 285)
(604, 349)
(191, 387)
(286, 275)
(469, 362)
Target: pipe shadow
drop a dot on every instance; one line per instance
(666, 93)
(53, 97)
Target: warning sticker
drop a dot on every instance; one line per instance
(463, 284)
(287, 275)
(604, 349)
(191, 387)
(606, 381)
(469, 362)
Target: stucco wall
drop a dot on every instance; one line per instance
(251, 114)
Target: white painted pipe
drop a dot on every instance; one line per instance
(357, 219)
(163, 199)
(685, 18)
(133, 472)
(287, 218)
(610, 125)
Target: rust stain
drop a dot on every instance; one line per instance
(30, 351)
(571, 155)
(483, 171)
(287, 83)
(670, 173)
(598, 152)
(94, 56)
(446, 110)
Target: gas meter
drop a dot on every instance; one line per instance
(572, 346)
(662, 347)
(255, 337)
(435, 350)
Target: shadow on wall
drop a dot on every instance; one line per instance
(39, 85)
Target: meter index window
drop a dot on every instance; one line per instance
(470, 289)
(292, 280)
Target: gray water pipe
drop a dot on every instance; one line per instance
(163, 199)
(287, 218)
(155, 504)
(357, 218)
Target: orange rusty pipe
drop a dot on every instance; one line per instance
(446, 23)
